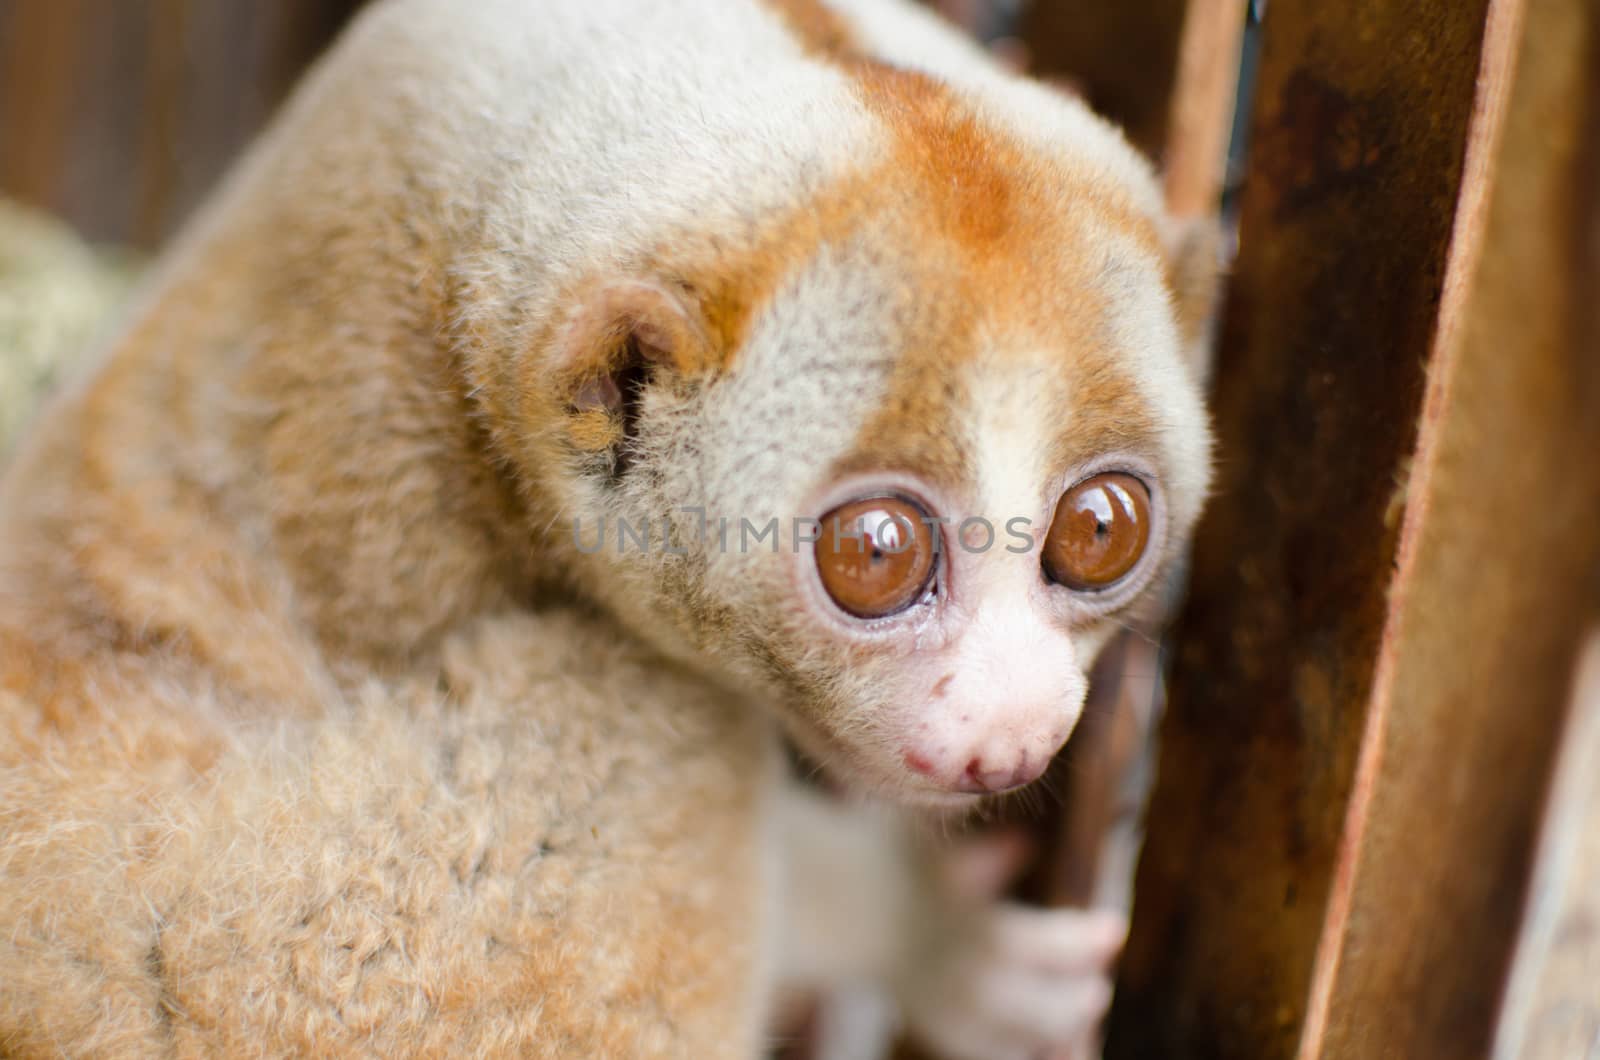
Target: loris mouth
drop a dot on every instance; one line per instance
(858, 774)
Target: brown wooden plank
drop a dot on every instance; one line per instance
(1499, 575)
(1086, 827)
(1122, 56)
(38, 52)
(1361, 118)
(1202, 106)
(119, 117)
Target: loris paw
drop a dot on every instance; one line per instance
(1031, 983)
(1019, 983)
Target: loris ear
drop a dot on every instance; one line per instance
(615, 342)
(1195, 253)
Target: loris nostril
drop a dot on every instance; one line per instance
(978, 778)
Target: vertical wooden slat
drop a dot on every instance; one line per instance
(1202, 106)
(119, 117)
(1088, 837)
(1359, 135)
(1499, 575)
(1122, 56)
(38, 51)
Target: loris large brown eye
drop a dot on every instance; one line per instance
(1100, 529)
(876, 556)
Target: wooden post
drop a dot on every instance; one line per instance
(1202, 106)
(118, 117)
(1389, 588)
(1499, 574)
(1122, 56)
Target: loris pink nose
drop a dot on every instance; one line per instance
(983, 776)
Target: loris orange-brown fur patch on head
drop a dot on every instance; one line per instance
(995, 241)
(998, 240)
(1005, 246)
(820, 29)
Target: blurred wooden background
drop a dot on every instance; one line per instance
(119, 115)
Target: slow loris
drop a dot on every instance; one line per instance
(558, 403)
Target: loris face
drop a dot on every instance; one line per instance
(900, 460)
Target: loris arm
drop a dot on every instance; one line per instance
(868, 904)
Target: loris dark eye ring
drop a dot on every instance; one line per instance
(1100, 529)
(876, 556)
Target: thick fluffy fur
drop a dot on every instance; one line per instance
(421, 871)
(276, 776)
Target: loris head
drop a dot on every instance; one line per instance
(901, 454)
